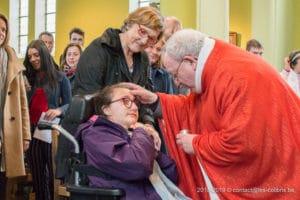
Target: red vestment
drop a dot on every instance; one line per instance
(248, 121)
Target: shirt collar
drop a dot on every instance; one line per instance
(205, 51)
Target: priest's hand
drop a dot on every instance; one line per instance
(185, 141)
(143, 95)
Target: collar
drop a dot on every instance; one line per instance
(205, 51)
(155, 70)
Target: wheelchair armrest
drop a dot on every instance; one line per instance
(93, 191)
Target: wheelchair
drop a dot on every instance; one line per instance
(70, 166)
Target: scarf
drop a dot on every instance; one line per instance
(69, 71)
(3, 74)
(3, 77)
(166, 189)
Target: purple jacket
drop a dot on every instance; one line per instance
(109, 148)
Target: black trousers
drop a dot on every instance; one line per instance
(3, 181)
(9, 188)
(40, 161)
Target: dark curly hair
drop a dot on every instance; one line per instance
(103, 98)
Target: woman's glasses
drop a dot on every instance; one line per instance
(127, 102)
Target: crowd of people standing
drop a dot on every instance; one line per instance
(151, 79)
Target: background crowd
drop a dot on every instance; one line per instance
(183, 80)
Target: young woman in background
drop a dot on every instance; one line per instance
(50, 92)
(291, 71)
(70, 59)
(14, 116)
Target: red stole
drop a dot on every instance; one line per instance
(175, 112)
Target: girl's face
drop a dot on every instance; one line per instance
(297, 66)
(154, 52)
(122, 109)
(3, 29)
(34, 58)
(72, 56)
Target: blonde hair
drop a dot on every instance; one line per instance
(159, 62)
(5, 42)
(147, 16)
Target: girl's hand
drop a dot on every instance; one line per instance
(152, 132)
(138, 124)
(51, 114)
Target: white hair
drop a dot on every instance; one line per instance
(184, 42)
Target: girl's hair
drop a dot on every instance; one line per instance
(103, 98)
(147, 16)
(64, 56)
(5, 42)
(48, 69)
(293, 58)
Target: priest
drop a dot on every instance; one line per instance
(243, 121)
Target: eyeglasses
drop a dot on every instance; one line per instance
(127, 102)
(175, 75)
(192, 60)
(145, 34)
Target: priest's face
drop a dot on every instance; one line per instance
(183, 72)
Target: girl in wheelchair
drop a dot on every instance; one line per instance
(115, 143)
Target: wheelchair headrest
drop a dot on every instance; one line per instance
(80, 109)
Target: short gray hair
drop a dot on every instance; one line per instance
(184, 42)
(45, 33)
